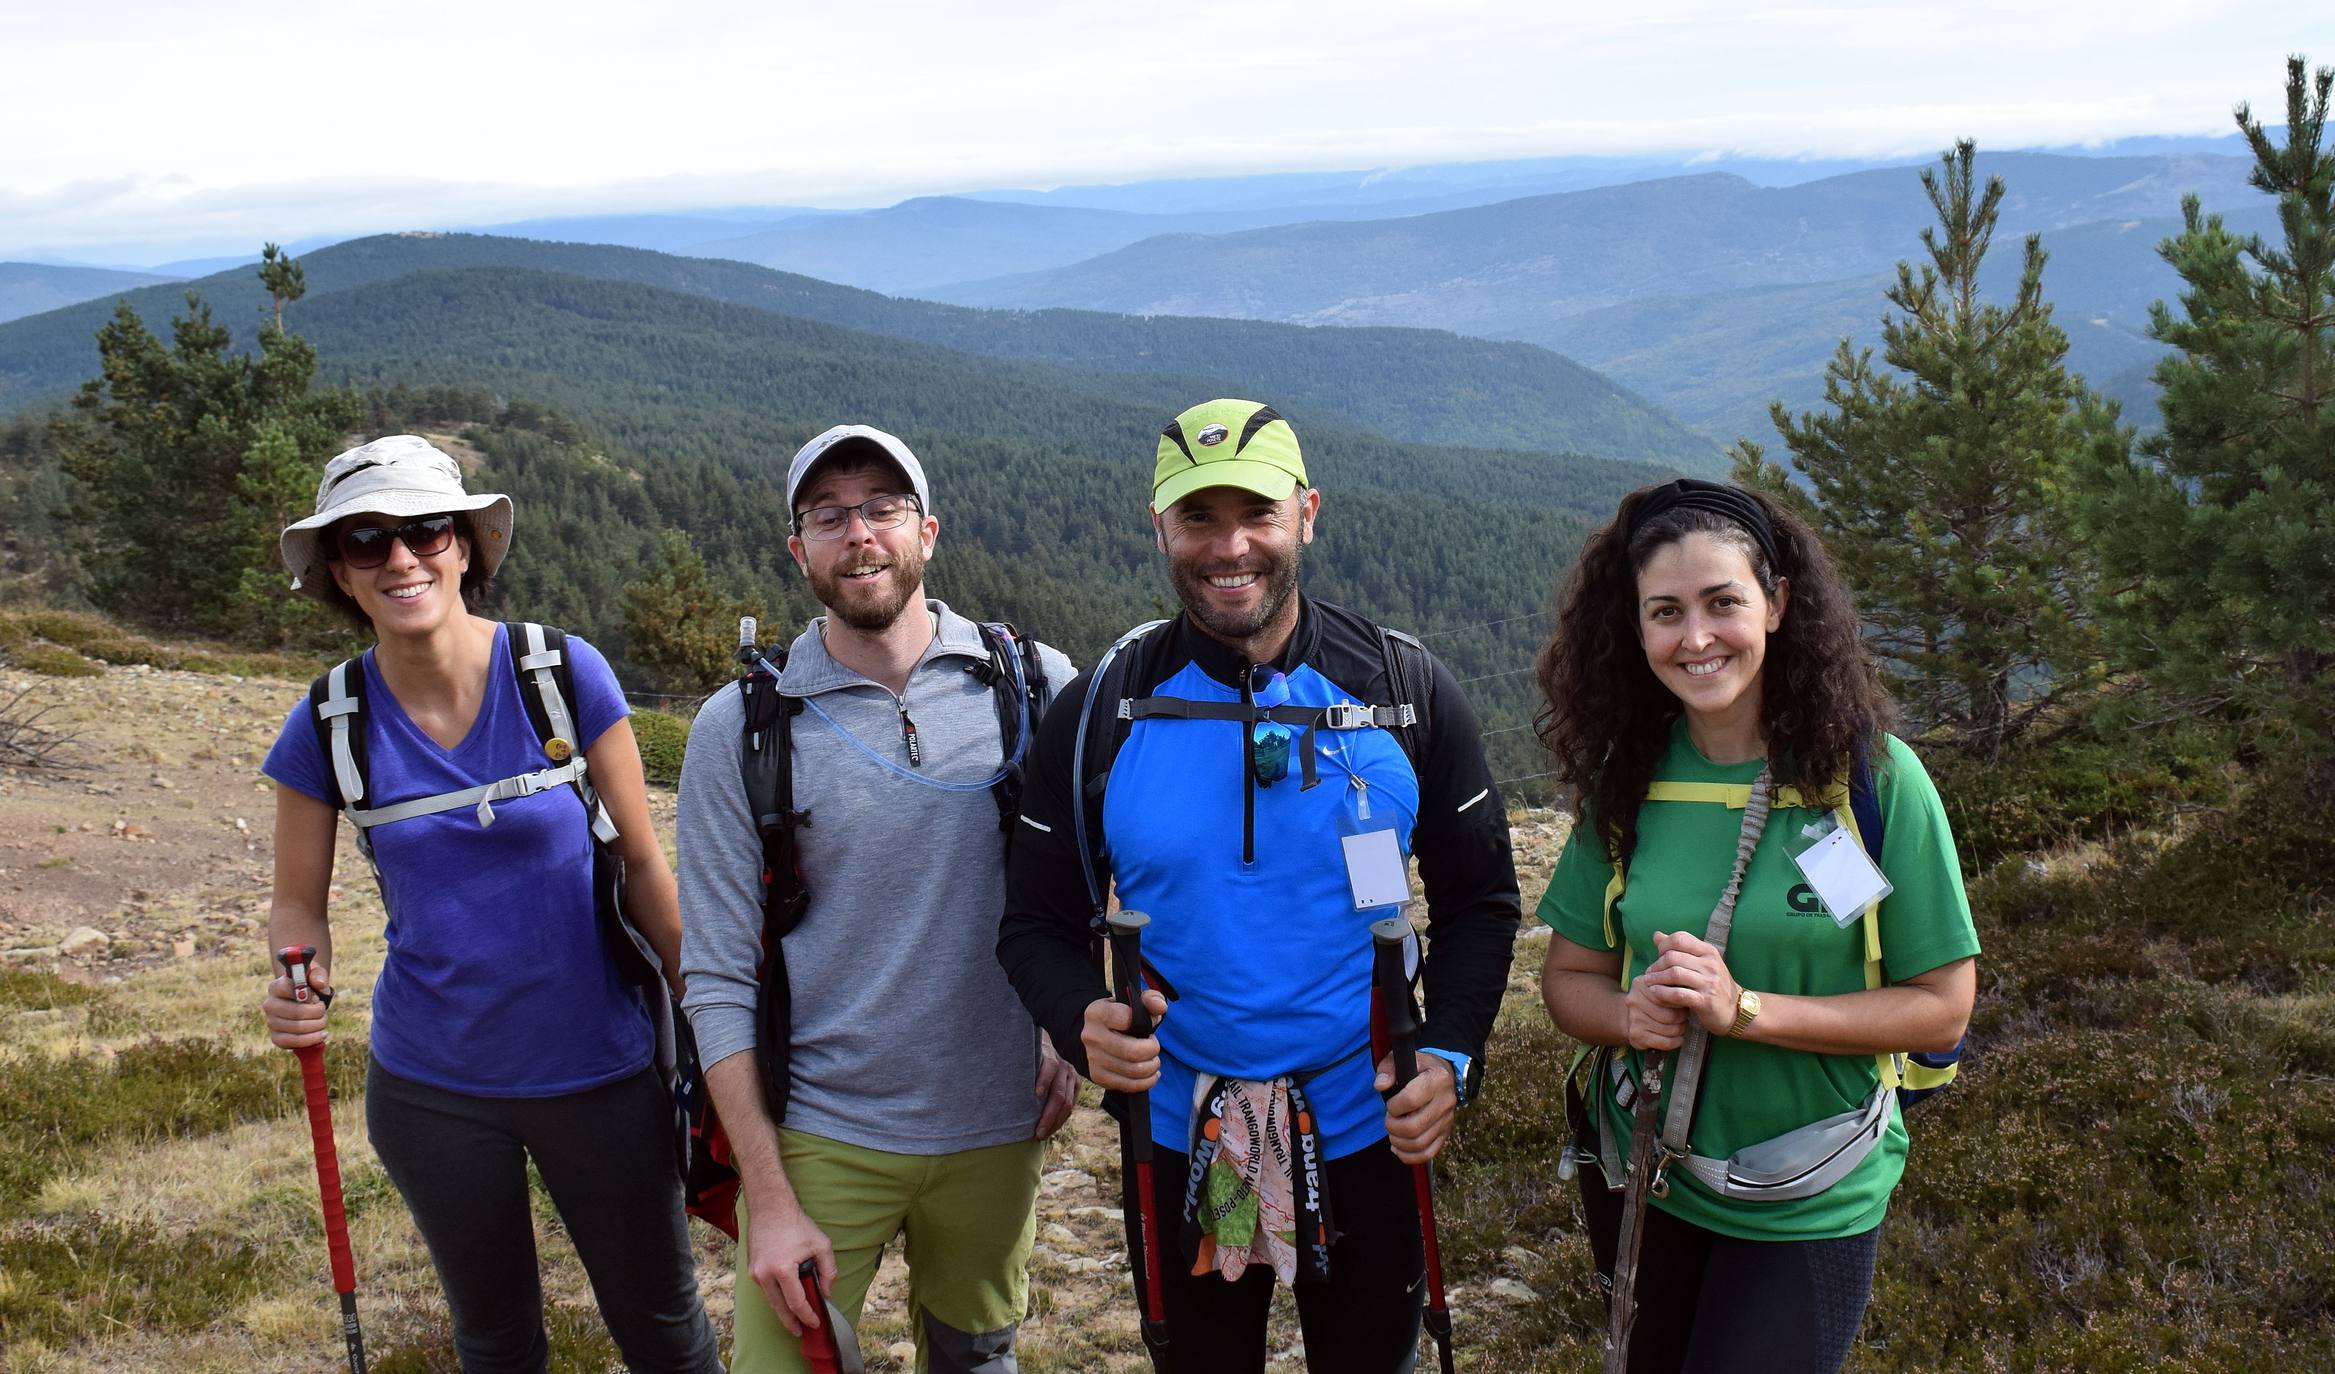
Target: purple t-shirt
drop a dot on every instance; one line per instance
(496, 982)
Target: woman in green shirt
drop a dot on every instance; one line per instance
(1705, 644)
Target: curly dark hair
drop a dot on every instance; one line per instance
(1605, 718)
(478, 586)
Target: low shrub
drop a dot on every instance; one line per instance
(52, 661)
(56, 1110)
(122, 650)
(67, 639)
(32, 989)
(2072, 790)
(663, 739)
(66, 1281)
(69, 628)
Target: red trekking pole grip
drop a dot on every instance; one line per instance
(1126, 934)
(822, 1347)
(296, 959)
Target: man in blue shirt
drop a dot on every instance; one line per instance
(1229, 832)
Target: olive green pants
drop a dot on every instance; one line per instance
(969, 1219)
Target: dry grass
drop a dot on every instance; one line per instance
(2135, 1175)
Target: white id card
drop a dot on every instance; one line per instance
(1374, 869)
(1844, 876)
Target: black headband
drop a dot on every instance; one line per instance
(1718, 498)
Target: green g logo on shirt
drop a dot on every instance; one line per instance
(1804, 901)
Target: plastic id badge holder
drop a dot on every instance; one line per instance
(1844, 876)
(1375, 868)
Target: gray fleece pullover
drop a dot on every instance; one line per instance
(907, 1037)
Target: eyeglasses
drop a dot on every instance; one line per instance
(367, 546)
(877, 513)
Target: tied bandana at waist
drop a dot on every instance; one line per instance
(1256, 1193)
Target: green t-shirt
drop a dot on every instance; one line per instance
(1783, 941)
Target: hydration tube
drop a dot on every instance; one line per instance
(1021, 744)
(1086, 709)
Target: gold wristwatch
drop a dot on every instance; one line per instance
(1746, 1011)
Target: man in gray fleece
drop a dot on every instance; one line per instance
(918, 1091)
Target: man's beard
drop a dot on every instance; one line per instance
(875, 606)
(1277, 581)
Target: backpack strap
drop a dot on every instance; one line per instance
(1013, 658)
(547, 688)
(1090, 774)
(1413, 686)
(766, 766)
(337, 700)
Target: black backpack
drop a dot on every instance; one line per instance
(767, 763)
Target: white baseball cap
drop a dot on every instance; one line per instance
(809, 455)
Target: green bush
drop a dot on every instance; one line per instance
(54, 1111)
(123, 650)
(69, 628)
(85, 1275)
(53, 661)
(2071, 790)
(31, 989)
(63, 640)
(663, 739)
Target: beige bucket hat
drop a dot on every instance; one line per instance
(403, 475)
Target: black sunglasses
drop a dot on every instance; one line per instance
(367, 546)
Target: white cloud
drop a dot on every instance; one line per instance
(154, 120)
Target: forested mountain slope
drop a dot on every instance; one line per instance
(1409, 384)
(31, 288)
(676, 412)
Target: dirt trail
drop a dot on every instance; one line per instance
(162, 843)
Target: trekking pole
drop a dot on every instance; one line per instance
(1394, 1028)
(1644, 1180)
(1662, 1114)
(831, 1347)
(1126, 929)
(295, 959)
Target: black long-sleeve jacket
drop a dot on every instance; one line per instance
(1460, 838)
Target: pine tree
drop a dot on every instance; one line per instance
(678, 625)
(2217, 546)
(193, 458)
(285, 280)
(1938, 481)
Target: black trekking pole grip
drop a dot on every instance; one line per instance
(1126, 937)
(1400, 1024)
(1387, 939)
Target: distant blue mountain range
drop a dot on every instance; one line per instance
(1709, 286)
(30, 288)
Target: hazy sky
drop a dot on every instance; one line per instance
(138, 121)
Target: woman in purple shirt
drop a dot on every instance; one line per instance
(502, 1031)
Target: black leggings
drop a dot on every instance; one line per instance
(1364, 1321)
(1712, 1304)
(460, 1162)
